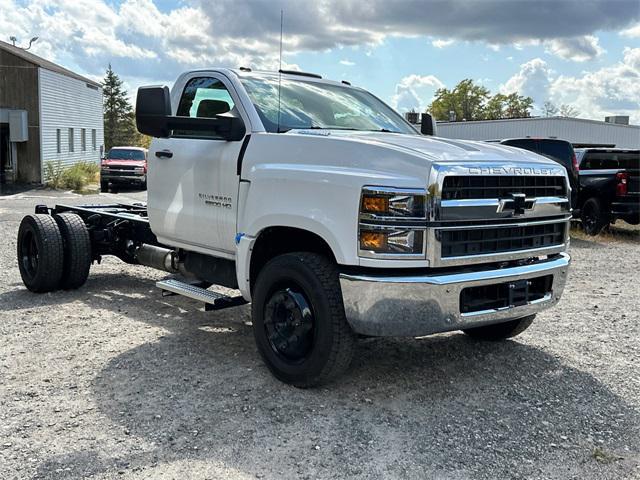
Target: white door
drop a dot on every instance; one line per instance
(192, 179)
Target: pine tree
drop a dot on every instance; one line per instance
(119, 130)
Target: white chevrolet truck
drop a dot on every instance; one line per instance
(328, 212)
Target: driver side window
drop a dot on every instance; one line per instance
(203, 97)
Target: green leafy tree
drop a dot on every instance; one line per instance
(494, 109)
(119, 126)
(466, 100)
(474, 102)
(517, 106)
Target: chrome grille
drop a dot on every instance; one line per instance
(496, 212)
(483, 241)
(485, 186)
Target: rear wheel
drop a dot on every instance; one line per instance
(77, 250)
(104, 186)
(298, 320)
(40, 253)
(594, 216)
(500, 331)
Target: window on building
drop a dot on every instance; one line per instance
(83, 139)
(58, 140)
(93, 139)
(71, 146)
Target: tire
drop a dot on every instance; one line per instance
(143, 185)
(298, 320)
(40, 253)
(77, 250)
(104, 186)
(501, 331)
(594, 216)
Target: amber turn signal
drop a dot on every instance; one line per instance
(373, 241)
(375, 204)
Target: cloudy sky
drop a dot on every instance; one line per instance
(582, 52)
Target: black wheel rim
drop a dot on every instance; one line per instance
(29, 254)
(289, 324)
(589, 218)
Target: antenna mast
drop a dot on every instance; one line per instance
(280, 68)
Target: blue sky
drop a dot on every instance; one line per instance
(584, 53)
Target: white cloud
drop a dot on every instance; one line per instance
(610, 90)
(577, 49)
(532, 80)
(347, 63)
(440, 43)
(633, 32)
(406, 96)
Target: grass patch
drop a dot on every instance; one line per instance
(75, 177)
(600, 455)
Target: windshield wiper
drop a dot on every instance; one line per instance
(384, 130)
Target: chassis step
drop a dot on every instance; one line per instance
(212, 300)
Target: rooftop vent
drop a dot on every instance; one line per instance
(618, 119)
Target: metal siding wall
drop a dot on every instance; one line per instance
(69, 103)
(577, 131)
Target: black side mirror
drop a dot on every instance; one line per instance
(427, 124)
(153, 108)
(153, 117)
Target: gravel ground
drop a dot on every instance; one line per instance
(114, 381)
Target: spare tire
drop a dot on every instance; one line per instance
(40, 253)
(77, 250)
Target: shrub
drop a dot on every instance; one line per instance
(53, 174)
(75, 177)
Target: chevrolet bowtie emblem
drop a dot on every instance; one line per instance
(517, 202)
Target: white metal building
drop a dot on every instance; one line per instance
(47, 114)
(575, 130)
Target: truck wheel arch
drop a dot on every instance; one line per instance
(278, 240)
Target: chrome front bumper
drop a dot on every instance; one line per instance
(384, 305)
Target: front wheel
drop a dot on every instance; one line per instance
(500, 331)
(298, 320)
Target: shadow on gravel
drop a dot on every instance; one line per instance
(443, 404)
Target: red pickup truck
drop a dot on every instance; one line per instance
(124, 165)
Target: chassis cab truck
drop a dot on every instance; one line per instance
(328, 212)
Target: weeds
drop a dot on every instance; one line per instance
(75, 177)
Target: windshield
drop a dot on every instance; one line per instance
(123, 154)
(306, 105)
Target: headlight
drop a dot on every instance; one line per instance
(392, 223)
(139, 169)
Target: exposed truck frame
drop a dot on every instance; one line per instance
(331, 233)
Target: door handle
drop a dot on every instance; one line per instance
(164, 154)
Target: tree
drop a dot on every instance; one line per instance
(517, 106)
(474, 102)
(119, 127)
(549, 109)
(567, 110)
(466, 100)
(494, 109)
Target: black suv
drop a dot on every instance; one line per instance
(557, 150)
(609, 187)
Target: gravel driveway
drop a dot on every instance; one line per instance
(115, 381)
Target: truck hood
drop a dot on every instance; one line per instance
(436, 149)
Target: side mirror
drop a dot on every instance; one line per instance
(153, 118)
(153, 108)
(427, 124)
